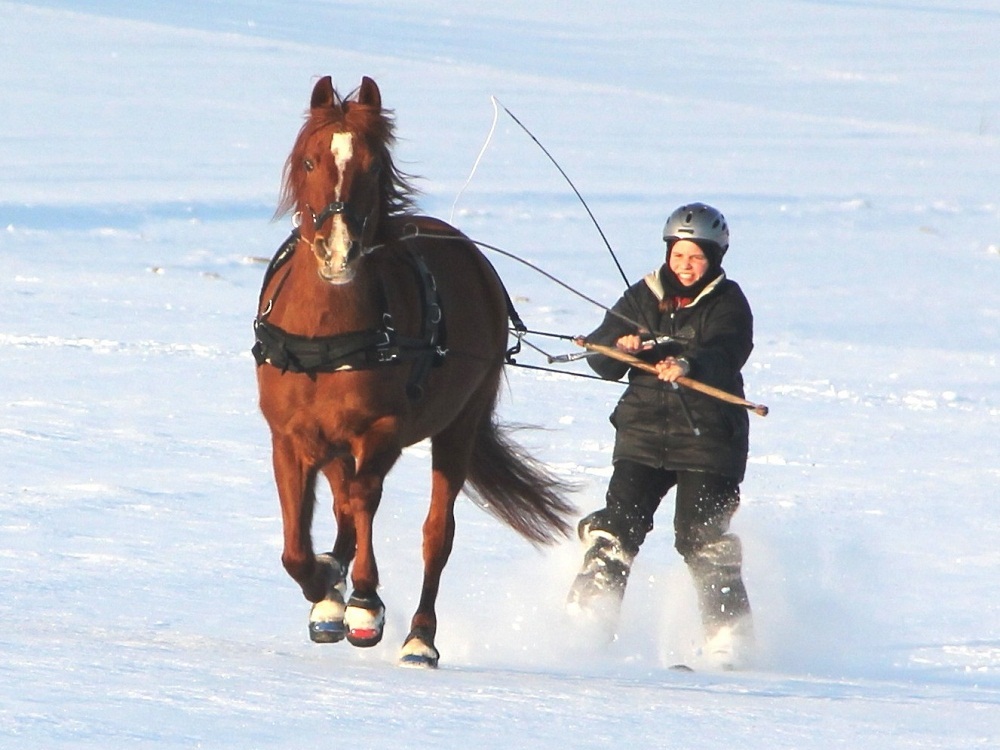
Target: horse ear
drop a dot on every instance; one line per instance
(369, 94)
(323, 94)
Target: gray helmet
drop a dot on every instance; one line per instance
(698, 221)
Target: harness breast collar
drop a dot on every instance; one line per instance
(365, 349)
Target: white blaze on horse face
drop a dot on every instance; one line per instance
(339, 242)
(342, 148)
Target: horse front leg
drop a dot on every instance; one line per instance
(296, 482)
(346, 542)
(365, 613)
(326, 618)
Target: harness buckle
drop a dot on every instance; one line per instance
(384, 349)
(516, 348)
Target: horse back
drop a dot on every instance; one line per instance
(471, 294)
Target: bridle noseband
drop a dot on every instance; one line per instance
(332, 209)
(357, 225)
(357, 228)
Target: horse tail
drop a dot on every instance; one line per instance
(516, 488)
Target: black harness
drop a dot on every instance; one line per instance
(291, 352)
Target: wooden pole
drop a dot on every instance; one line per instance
(694, 385)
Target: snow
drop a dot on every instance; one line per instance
(853, 145)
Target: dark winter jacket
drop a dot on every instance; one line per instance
(676, 428)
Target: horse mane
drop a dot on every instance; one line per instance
(376, 126)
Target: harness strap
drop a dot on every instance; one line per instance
(431, 354)
(281, 256)
(519, 327)
(291, 352)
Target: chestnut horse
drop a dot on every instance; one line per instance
(378, 328)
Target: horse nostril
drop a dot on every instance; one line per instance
(322, 246)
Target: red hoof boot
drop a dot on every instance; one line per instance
(364, 619)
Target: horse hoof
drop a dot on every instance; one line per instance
(326, 621)
(418, 651)
(364, 637)
(327, 632)
(364, 619)
(417, 662)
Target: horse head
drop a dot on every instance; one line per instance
(340, 180)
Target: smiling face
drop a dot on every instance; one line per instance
(688, 261)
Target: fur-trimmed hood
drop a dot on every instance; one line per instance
(655, 284)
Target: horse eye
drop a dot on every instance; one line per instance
(309, 164)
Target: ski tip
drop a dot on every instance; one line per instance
(681, 668)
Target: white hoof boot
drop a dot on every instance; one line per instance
(326, 621)
(326, 618)
(419, 651)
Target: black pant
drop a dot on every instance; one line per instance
(703, 509)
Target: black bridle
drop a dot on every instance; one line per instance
(356, 224)
(332, 209)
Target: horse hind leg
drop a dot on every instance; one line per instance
(450, 452)
(439, 533)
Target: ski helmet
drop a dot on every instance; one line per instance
(699, 222)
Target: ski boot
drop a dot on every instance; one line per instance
(729, 647)
(725, 608)
(597, 591)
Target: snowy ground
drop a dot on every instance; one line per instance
(852, 144)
